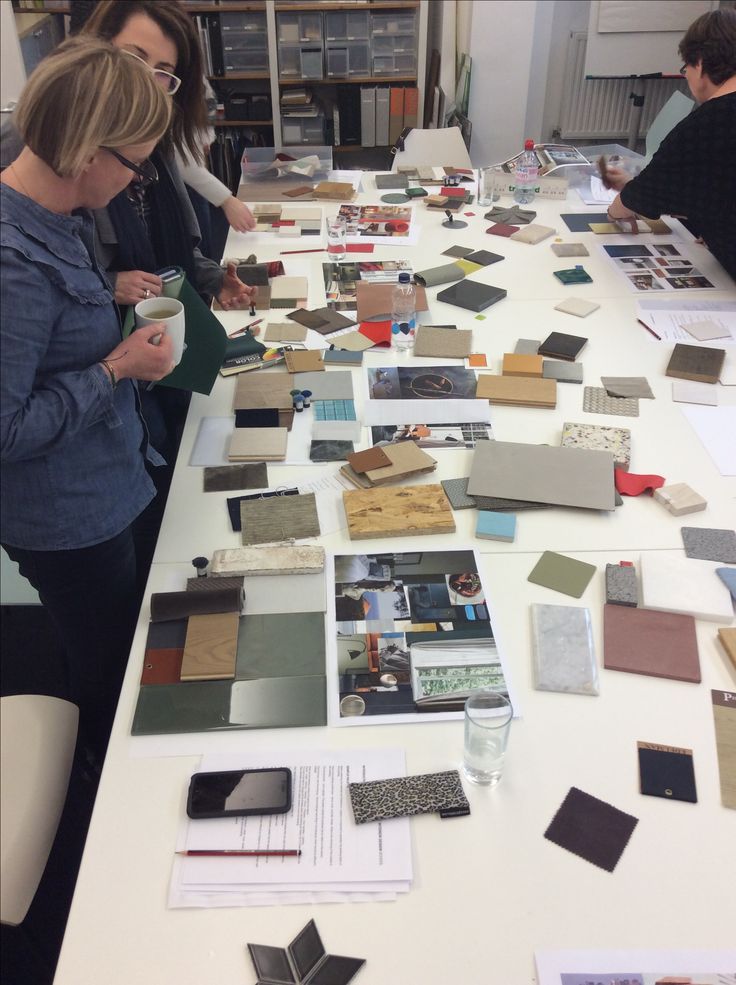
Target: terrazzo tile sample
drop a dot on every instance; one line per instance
(597, 401)
(672, 584)
(562, 649)
(601, 438)
(710, 544)
(622, 586)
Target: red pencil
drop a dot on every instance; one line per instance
(256, 853)
(321, 249)
(650, 330)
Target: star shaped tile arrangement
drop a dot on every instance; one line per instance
(511, 216)
(303, 962)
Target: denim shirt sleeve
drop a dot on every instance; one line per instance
(41, 411)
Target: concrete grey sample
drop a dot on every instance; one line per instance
(562, 372)
(597, 401)
(336, 385)
(627, 386)
(543, 474)
(710, 544)
(527, 347)
(622, 587)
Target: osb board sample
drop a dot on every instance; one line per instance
(517, 391)
(211, 647)
(400, 511)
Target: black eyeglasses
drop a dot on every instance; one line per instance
(682, 68)
(146, 171)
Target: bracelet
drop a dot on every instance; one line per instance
(113, 378)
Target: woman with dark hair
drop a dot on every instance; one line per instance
(691, 175)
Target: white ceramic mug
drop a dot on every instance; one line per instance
(170, 312)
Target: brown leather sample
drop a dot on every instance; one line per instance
(371, 458)
(399, 511)
(696, 362)
(405, 458)
(162, 666)
(211, 648)
(645, 641)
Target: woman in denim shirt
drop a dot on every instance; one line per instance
(73, 444)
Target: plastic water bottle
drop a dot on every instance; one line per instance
(526, 173)
(404, 313)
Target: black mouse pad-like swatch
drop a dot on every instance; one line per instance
(591, 828)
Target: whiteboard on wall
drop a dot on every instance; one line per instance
(639, 37)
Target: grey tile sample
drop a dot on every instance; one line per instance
(327, 450)
(622, 587)
(710, 544)
(527, 347)
(286, 645)
(544, 474)
(562, 372)
(597, 401)
(458, 251)
(392, 180)
(562, 648)
(627, 386)
(336, 385)
(457, 492)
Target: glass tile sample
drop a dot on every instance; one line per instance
(291, 644)
(562, 647)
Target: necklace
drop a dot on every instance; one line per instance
(20, 182)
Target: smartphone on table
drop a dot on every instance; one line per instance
(233, 793)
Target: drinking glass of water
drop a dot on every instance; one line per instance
(336, 236)
(488, 717)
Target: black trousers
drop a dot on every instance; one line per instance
(93, 596)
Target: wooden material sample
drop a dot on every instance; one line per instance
(371, 458)
(304, 361)
(279, 518)
(403, 511)
(724, 719)
(162, 665)
(264, 389)
(522, 364)
(680, 499)
(727, 639)
(406, 458)
(258, 445)
(288, 292)
(656, 644)
(696, 362)
(439, 342)
(285, 332)
(211, 647)
(334, 191)
(513, 391)
(542, 474)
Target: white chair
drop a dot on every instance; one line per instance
(435, 148)
(37, 739)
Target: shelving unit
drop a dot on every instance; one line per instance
(324, 87)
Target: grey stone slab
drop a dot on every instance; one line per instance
(710, 544)
(622, 587)
(627, 386)
(336, 385)
(527, 347)
(562, 372)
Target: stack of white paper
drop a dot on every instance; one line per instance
(340, 860)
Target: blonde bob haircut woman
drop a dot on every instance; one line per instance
(85, 95)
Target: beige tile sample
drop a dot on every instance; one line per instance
(211, 647)
(443, 342)
(407, 458)
(543, 474)
(517, 391)
(399, 511)
(258, 445)
(289, 331)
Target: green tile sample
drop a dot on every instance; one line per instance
(562, 574)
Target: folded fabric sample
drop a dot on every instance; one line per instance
(405, 796)
(181, 605)
(445, 274)
(513, 216)
(630, 484)
(592, 829)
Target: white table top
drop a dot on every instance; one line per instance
(488, 889)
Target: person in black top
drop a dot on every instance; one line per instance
(692, 175)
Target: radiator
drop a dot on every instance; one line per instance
(600, 109)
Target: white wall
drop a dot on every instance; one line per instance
(501, 42)
(568, 16)
(12, 72)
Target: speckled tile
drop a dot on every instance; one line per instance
(599, 438)
(710, 544)
(622, 587)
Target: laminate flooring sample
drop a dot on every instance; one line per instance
(517, 391)
(674, 584)
(696, 362)
(211, 647)
(258, 445)
(280, 518)
(656, 644)
(263, 390)
(400, 511)
(543, 474)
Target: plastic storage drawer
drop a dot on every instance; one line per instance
(347, 58)
(245, 21)
(398, 23)
(303, 131)
(347, 25)
(298, 28)
(296, 62)
(397, 64)
(245, 61)
(399, 44)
